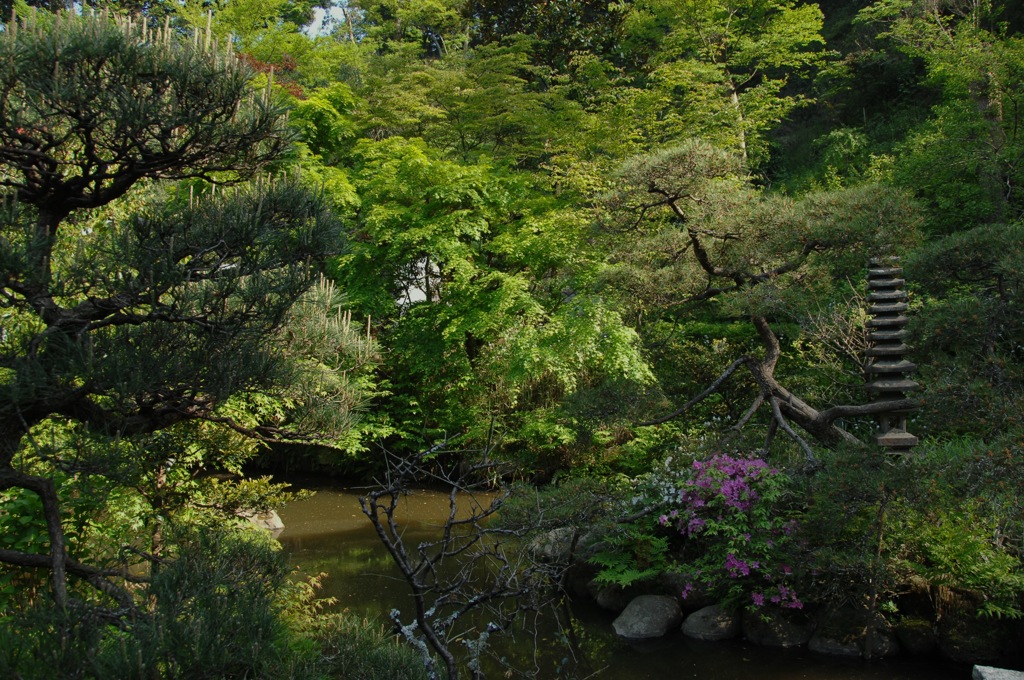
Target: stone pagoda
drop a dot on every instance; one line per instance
(887, 369)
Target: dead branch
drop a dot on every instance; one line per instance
(472, 567)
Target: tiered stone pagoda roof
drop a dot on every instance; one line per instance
(887, 370)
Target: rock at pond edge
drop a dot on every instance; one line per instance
(269, 520)
(713, 623)
(990, 673)
(770, 627)
(648, 616)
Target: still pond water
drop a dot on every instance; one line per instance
(329, 534)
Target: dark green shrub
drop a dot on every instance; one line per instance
(945, 518)
(222, 608)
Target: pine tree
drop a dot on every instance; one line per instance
(127, 303)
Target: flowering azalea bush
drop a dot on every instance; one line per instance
(727, 510)
(728, 533)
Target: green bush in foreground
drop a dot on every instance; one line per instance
(945, 518)
(222, 608)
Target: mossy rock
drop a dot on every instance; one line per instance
(975, 640)
(844, 631)
(966, 637)
(916, 635)
(774, 627)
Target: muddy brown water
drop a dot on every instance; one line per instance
(329, 534)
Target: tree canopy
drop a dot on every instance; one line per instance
(604, 241)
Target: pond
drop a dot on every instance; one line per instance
(329, 534)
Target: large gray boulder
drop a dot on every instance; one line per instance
(713, 623)
(990, 673)
(823, 643)
(268, 520)
(648, 616)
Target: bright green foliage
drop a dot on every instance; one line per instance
(329, 60)
(957, 552)
(481, 284)
(630, 556)
(963, 158)
(432, 28)
(324, 120)
(723, 66)
(477, 103)
(563, 29)
(618, 122)
(248, 21)
(21, 517)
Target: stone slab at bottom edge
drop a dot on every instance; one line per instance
(990, 673)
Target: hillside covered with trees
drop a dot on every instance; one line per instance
(620, 246)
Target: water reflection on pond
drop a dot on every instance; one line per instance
(329, 534)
